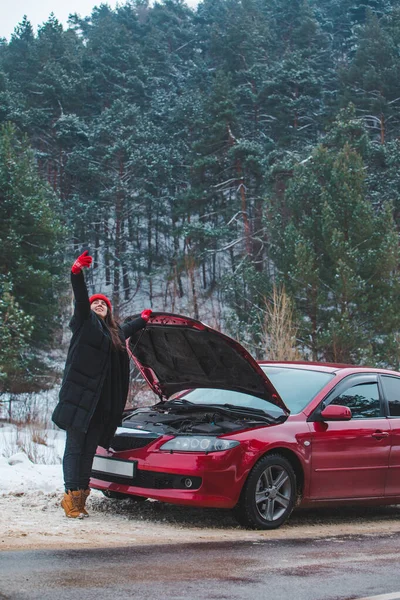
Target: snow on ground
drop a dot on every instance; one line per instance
(18, 473)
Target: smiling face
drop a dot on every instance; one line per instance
(100, 308)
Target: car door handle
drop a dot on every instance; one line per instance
(378, 435)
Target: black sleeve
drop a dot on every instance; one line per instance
(132, 327)
(82, 306)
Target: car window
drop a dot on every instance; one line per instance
(391, 390)
(296, 387)
(362, 399)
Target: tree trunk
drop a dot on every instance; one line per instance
(118, 245)
(106, 254)
(314, 308)
(193, 287)
(245, 215)
(125, 272)
(149, 255)
(257, 244)
(241, 186)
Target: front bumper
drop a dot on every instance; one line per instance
(212, 480)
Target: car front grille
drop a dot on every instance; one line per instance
(126, 441)
(152, 480)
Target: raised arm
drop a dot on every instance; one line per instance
(131, 327)
(82, 305)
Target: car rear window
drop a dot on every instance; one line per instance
(296, 387)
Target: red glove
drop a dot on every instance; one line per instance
(84, 260)
(146, 314)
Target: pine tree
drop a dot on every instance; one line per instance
(338, 256)
(299, 85)
(19, 57)
(16, 328)
(371, 80)
(31, 237)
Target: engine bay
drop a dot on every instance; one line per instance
(205, 420)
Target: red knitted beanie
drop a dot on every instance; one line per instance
(101, 297)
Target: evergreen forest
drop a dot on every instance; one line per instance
(238, 163)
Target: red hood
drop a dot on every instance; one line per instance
(175, 353)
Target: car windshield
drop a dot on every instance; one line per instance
(216, 396)
(296, 387)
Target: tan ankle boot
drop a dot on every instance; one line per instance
(71, 503)
(84, 497)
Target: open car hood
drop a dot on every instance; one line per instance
(175, 353)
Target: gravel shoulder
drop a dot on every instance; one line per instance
(36, 521)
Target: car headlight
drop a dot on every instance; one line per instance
(198, 443)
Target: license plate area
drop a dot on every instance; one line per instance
(114, 467)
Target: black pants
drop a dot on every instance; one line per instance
(80, 449)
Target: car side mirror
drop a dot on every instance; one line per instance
(336, 412)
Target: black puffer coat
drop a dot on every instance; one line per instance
(87, 368)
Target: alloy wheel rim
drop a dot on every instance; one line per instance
(273, 492)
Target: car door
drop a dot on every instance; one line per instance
(391, 391)
(349, 459)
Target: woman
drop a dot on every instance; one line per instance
(94, 387)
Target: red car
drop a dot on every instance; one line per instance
(258, 438)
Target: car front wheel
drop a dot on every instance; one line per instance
(269, 494)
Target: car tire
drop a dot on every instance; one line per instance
(121, 496)
(269, 494)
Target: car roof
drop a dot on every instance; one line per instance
(327, 367)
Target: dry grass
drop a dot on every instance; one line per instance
(279, 330)
(38, 437)
(33, 439)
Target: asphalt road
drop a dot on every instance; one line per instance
(335, 568)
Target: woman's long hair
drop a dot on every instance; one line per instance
(112, 327)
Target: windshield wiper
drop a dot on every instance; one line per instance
(177, 402)
(240, 410)
(245, 408)
(254, 411)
